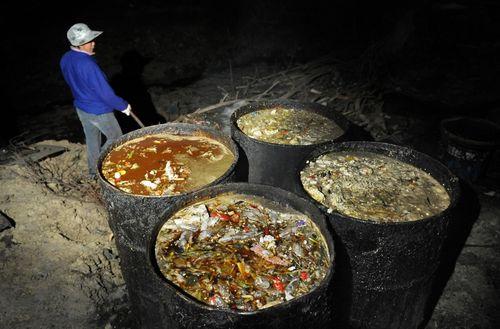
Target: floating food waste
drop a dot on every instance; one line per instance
(242, 252)
(280, 125)
(374, 187)
(166, 164)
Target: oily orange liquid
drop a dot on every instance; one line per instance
(166, 164)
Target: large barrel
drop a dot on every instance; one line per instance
(179, 310)
(275, 164)
(385, 270)
(132, 217)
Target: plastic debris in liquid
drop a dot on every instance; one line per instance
(374, 187)
(166, 164)
(242, 252)
(288, 126)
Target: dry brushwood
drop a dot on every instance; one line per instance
(59, 175)
(317, 81)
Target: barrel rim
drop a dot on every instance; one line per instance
(338, 118)
(247, 189)
(449, 134)
(169, 127)
(453, 188)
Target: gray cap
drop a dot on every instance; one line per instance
(79, 34)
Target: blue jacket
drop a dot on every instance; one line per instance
(89, 86)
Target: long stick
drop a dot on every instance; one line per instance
(139, 122)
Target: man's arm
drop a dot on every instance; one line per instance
(101, 87)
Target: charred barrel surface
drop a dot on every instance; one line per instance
(132, 216)
(181, 310)
(386, 268)
(275, 163)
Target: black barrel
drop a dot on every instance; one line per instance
(179, 310)
(385, 271)
(275, 164)
(132, 217)
(468, 145)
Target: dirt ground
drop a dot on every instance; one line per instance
(59, 267)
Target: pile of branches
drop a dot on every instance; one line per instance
(319, 81)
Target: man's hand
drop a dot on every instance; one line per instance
(127, 110)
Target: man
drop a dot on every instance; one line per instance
(94, 99)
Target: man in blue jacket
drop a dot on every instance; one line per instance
(94, 99)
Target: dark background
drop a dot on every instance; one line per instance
(442, 55)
